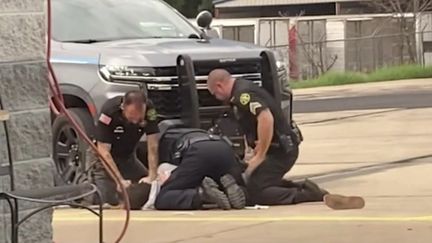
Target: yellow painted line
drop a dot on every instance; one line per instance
(249, 219)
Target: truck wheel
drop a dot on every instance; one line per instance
(69, 151)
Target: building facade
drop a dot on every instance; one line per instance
(278, 8)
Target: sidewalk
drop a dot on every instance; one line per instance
(353, 90)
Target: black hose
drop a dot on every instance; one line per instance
(59, 106)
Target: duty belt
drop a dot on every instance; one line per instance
(208, 137)
(186, 143)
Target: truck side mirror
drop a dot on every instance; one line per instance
(204, 19)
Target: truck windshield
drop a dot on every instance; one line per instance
(88, 21)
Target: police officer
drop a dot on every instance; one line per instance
(122, 123)
(274, 144)
(203, 162)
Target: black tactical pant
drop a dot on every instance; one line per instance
(266, 185)
(202, 159)
(130, 168)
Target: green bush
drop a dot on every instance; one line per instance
(384, 74)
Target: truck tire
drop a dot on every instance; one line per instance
(69, 151)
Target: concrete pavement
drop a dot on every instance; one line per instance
(351, 137)
(397, 208)
(362, 139)
(384, 155)
(362, 89)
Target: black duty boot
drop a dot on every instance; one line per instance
(236, 195)
(211, 193)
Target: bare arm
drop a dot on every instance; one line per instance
(104, 149)
(248, 151)
(265, 135)
(152, 155)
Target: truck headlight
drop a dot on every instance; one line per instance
(280, 64)
(282, 71)
(114, 72)
(280, 61)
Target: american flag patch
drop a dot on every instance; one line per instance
(105, 119)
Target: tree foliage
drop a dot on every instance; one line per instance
(407, 23)
(403, 6)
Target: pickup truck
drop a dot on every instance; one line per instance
(104, 48)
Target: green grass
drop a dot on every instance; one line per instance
(384, 74)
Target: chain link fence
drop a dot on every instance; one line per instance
(313, 47)
(365, 54)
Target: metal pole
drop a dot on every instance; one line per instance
(9, 151)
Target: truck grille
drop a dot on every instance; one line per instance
(239, 67)
(203, 68)
(168, 102)
(165, 93)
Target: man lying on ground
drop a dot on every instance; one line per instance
(197, 173)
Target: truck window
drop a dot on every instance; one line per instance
(75, 20)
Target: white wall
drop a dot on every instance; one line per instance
(265, 33)
(424, 23)
(336, 31)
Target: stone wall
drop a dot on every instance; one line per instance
(23, 90)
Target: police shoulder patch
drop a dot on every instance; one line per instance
(151, 115)
(245, 98)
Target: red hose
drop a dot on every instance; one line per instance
(58, 105)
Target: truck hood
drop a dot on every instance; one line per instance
(164, 52)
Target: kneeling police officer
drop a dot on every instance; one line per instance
(275, 145)
(122, 123)
(203, 162)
